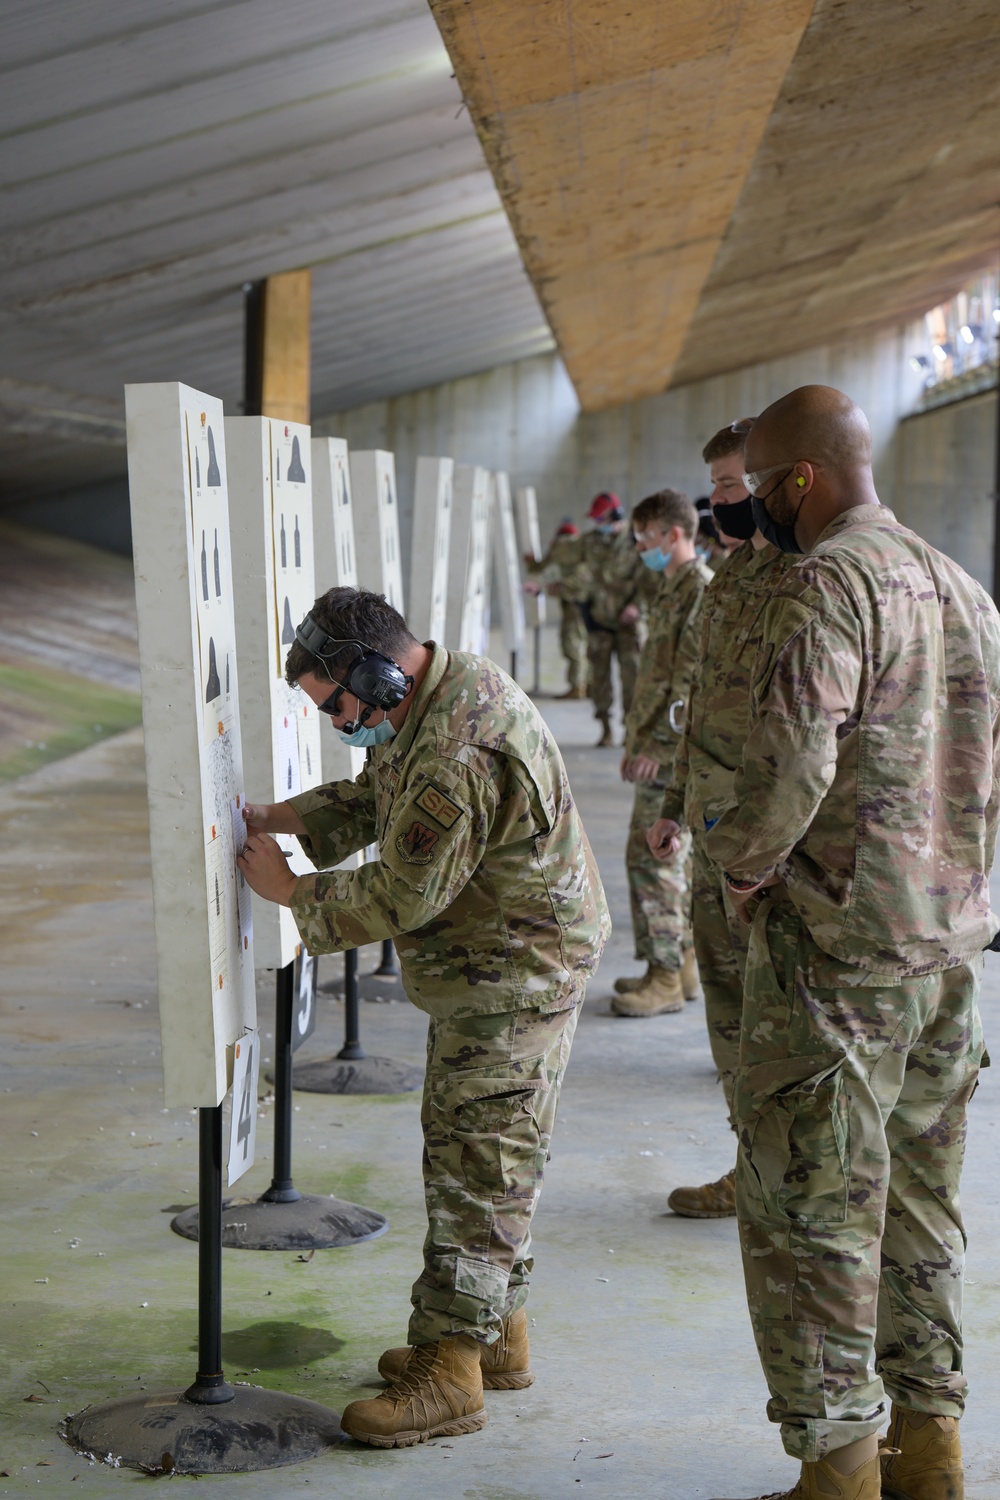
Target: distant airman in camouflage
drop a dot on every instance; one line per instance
(487, 884)
(616, 592)
(561, 573)
(664, 526)
(860, 842)
(708, 757)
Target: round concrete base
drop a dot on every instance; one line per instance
(166, 1433)
(362, 1075)
(309, 1223)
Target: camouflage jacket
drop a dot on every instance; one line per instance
(869, 779)
(666, 667)
(485, 879)
(562, 564)
(608, 576)
(718, 716)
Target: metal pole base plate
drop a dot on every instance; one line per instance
(310, 1223)
(167, 1434)
(363, 1075)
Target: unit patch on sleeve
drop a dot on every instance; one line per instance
(438, 806)
(416, 845)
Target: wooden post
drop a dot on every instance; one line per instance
(276, 353)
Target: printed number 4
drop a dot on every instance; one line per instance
(245, 1124)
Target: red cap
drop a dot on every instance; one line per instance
(606, 507)
(568, 528)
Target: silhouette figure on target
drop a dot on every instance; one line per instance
(213, 478)
(214, 686)
(287, 628)
(296, 473)
(218, 580)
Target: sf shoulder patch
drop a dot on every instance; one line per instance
(416, 845)
(437, 805)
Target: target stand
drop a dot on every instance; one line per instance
(352, 1071)
(212, 1427)
(282, 1218)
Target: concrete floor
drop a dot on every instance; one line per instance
(647, 1379)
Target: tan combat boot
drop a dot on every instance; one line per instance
(505, 1365)
(690, 982)
(572, 692)
(716, 1200)
(626, 986)
(439, 1393)
(821, 1481)
(659, 993)
(606, 737)
(922, 1457)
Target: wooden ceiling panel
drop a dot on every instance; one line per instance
(620, 140)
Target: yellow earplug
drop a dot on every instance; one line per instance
(800, 481)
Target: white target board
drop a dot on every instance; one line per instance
(336, 565)
(270, 490)
(191, 717)
(432, 504)
(468, 562)
(529, 539)
(507, 564)
(376, 524)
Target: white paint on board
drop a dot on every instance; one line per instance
(432, 507)
(271, 481)
(194, 755)
(467, 564)
(336, 566)
(507, 564)
(529, 540)
(376, 525)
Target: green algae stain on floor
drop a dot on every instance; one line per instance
(46, 715)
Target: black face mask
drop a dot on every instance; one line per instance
(778, 534)
(735, 521)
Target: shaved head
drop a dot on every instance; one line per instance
(815, 424)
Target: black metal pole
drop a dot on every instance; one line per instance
(996, 493)
(210, 1387)
(352, 1048)
(283, 1189)
(513, 665)
(389, 966)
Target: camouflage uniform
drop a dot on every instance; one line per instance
(718, 722)
(561, 564)
(869, 785)
(609, 577)
(489, 888)
(660, 893)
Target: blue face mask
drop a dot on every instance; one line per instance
(367, 736)
(605, 528)
(656, 559)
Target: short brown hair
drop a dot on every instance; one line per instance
(667, 508)
(727, 440)
(355, 616)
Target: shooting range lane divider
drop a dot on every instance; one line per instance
(204, 943)
(282, 1218)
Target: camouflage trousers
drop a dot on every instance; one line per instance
(573, 643)
(660, 894)
(720, 944)
(626, 644)
(489, 1108)
(851, 1107)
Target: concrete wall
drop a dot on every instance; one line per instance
(525, 418)
(946, 476)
